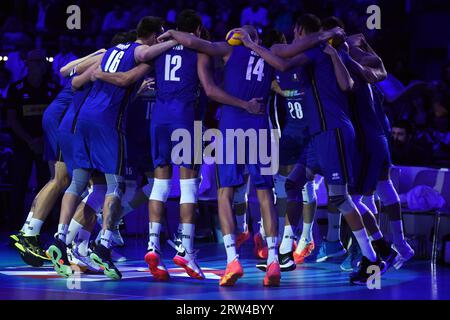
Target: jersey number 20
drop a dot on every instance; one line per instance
(257, 70)
(173, 63)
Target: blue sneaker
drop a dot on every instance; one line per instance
(354, 257)
(330, 249)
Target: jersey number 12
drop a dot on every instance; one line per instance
(173, 63)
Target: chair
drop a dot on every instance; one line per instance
(439, 180)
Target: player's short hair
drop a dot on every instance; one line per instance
(123, 37)
(332, 22)
(272, 37)
(188, 21)
(309, 23)
(149, 25)
(252, 32)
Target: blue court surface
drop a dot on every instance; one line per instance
(317, 281)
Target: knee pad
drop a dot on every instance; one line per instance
(115, 185)
(189, 190)
(339, 198)
(80, 180)
(96, 197)
(309, 193)
(280, 188)
(369, 201)
(161, 189)
(362, 208)
(387, 193)
(240, 194)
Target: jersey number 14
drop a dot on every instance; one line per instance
(257, 70)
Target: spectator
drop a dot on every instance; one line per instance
(64, 56)
(206, 18)
(405, 150)
(5, 81)
(255, 15)
(26, 102)
(16, 59)
(172, 13)
(116, 20)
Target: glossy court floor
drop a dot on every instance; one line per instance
(312, 280)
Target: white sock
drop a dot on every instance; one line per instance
(261, 229)
(369, 201)
(376, 236)
(288, 239)
(74, 227)
(105, 239)
(307, 232)
(397, 231)
(365, 245)
(154, 231)
(281, 223)
(62, 231)
(334, 226)
(272, 245)
(27, 221)
(229, 242)
(187, 236)
(83, 241)
(241, 224)
(34, 227)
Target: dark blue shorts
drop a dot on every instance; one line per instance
(99, 147)
(331, 153)
(66, 142)
(372, 156)
(51, 149)
(293, 144)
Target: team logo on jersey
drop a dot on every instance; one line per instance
(335, 176)
(295, 77)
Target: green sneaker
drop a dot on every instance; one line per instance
(58, 255)
(102, 257)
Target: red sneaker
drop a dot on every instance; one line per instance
(273, 275)
(155, 265)
(241, 238)
(232, 273)
(260, 250)
(304, 249)
(189, 263)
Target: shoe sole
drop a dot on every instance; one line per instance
(272, 281)
(107, 271)
(282, 269)
(55, 256)
(231, 280)
(188, 270)
(153, 262)
(28, 258)
(333, 255)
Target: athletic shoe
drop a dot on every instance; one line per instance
(361, 276)
(156, 266)
(58, 255)
(13, 238)
(353, 258)
(102, 257)
(273, 275)
(405, 253)
(286, 263)
(241, 238)
(303, 250)
(83, 263)
(260, 251)
(232, 273)
(330, 249)
(116, 238)
(188, 261)
(30, 250)
(385, 252)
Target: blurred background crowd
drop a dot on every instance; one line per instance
(413, 42)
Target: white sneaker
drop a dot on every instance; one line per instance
(405, 253)
(83, 262)
(188, 261)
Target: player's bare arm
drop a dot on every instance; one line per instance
(122, 79)
(271, 58)
(146, 53)
(191, 41)
(216, 93)
(307, 42)
(80, 80)
(343, 77)
(67, 69)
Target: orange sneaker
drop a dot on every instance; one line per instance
(155, 265)
(273, 275)
(304, 249)
(260, 251)
(232, 273)
(241, 238)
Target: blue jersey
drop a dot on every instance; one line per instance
(364, 116)
(107, 103)
(289, 83)
(326, 105)
(55, 111)
(70, 118)
(378, 105)
(246, 76)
